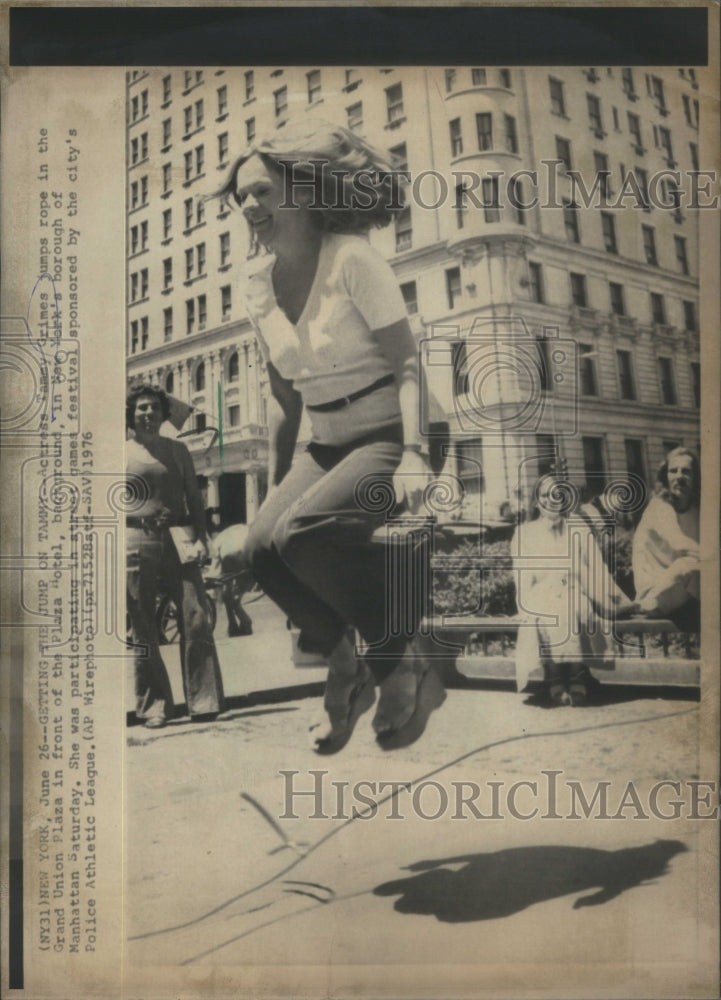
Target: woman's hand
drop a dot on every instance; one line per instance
(410, 480)
(200, 551)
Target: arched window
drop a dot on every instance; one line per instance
(233, 367)
(200, 377)
(169, 383)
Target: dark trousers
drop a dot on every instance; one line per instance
(149, 558)
(310, 545)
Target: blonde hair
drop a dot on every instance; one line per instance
(355, 185)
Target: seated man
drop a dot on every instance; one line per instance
(228, 560)
(666, 544)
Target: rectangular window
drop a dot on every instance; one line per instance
(167, 222)
(478, 77)
(144, 146)
(355, 116)
(143, 332)
(143, 235)
(394, 103)
(453, 286)
(558, 103)
(249, 85)
(509, 123)
(600, 165)
(696, 383)
(188, 206)
(133, 336)
(399, 157)
(202, 312)
(642, 181)
(190, 316)
(167, 177)
(627, 79)
(166, 88)
(681, 254)
(222, 101)
(167, 131)
(133, 239)
(187, 119)
(280, 102)
(199, 113)
(225, 302)
(144, 190)
(201, 258)
(450, 77)
(188, 165)
(313, 79)
(144, 283)
(689, 316)
(587, 370)
(484, 128)
(168, 323)
(545, 453)
(134, 286)
(199, 211)
(594, 466)
(199, 160)
(491, 202)
(563, 152)
(134, 197)
(666, 381)
(223, 148)
(234, 415)
(250, 130)
(594, 112)
(134, 151)
(618, 306)
(649, 245)
(664, 139)
(544, 368)
(460, 205)
(224, 249)
(410, 296)
(456, 137)
(535, 281)
(655, 87)
(516, 202)
(134, 109)
(189, 264)
(404, 229)
(168, 272)
(635, 463)
(625, 374)
(658, 308)
(578, 290)
(608, 225)
(352, 79)
(570, 222)
(459, 356)
(504, 78)
(634, 129)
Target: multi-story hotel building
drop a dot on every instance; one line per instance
(552, 316)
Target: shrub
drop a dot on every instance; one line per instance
(485, 587)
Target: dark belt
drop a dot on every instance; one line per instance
(155, 523)
(339, 404)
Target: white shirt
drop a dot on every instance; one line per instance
(331, 351)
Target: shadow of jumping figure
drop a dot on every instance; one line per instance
(498, 884)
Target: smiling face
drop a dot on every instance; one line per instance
(681, 475)
(260, 191)
(148, 416)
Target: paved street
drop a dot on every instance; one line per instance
(227, 867)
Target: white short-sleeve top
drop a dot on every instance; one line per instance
(331, 352)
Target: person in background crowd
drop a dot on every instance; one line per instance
(161, 478)
(564, 591)
(333, 327)
(666, 544)
(228, 560)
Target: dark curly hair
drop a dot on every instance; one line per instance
(354, 183)
(144, 389)
(662, 489)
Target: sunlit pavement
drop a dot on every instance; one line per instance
(229, 865)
